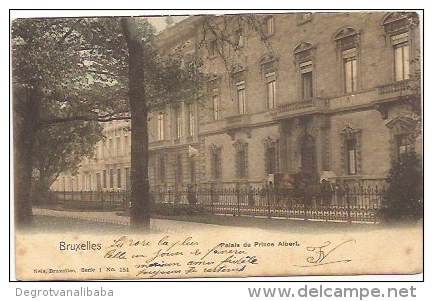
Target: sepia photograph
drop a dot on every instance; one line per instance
(241, 144)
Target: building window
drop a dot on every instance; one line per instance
(98, 181)
(351, 146)
(239, 39)
(191, 120)
(110, 147)
(179, 170)
(111, 178)
(162, 169)
(347, 43)
(350, 70)
(127, 178)
(127, 146)
(119, 178)
(398, 28)
(271, 155)
(213, 48)
(241, 159)
(216, 170)
(192, 170)
(216, 166)
(351, 149)
(304, 18)
(241, 97)
(216, 107)
(97, 150)
(118, 146)
(179, 122)
(403, 133)
(403, 145)
(270, 160)
(401, 56)
(270, 26)
(160, 126)
(271, 90)
(307, 80)
(104, 179)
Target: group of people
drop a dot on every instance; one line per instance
(323, 193)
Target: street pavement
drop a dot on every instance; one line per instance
(168, 226)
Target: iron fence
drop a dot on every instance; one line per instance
(96, 200)
(356, 204)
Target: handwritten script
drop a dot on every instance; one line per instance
(171, 256)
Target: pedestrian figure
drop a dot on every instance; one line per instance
(191, 196)
(326, 192)
(250, 197)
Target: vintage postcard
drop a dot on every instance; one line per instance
(279, 143)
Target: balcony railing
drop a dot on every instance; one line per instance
(400, 86)
(237, 120)
(296, 105)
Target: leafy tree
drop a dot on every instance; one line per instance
(403, 198)
(61, 148)
(89, 69)
(75, 66)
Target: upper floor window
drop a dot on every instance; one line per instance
(127, 145)
(304, 17)
(216, 106)
(118, 145)
(213, 48)
(213, 88)
(160, 126)
(304, 55)
(110, 147)
(270, 23)
(401, 56)
(271, 85)
(239, 38)
(347, 43)
(398, 27)
(178, 122)
(191, 120)
(241, 97)
(307, 80)
(350, 70)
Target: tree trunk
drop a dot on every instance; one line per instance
(140, 205)
(25, 123)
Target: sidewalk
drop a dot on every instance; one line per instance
(164, 225)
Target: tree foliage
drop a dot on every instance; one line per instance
(72, 70)
(62, 147)
(404, 196)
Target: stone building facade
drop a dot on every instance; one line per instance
(323, 93)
